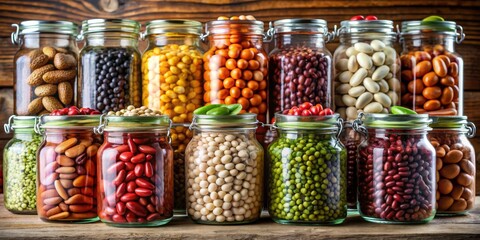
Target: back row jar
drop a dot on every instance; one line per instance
(109, 65)
(432, 72)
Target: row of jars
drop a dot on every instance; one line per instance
(126, 176)
(175, 76)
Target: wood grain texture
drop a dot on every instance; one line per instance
(31, 227)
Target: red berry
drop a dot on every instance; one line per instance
(95, 112)
(319, 106)
(306, 105)
(357, 18)
(371, 17)
(306, 112)
(315, 110)
(63, 111)
(328, 111)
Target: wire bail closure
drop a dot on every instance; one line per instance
(8, 127)
(472, 129)
(101, 126)
(460, 34)
(14, 36)
(357, 125)
(37, 127)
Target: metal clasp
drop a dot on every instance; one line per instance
(204, 36)
(340, 127)
(472, 129)
(399, 34)
(101, 125)
(14, 35)
(37, 127)
(80, 36)
(357, 125)
(330, 36)
(8, 127)
(268, 36)
(461, 35)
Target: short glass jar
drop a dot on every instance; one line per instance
(307, 178)
(224, 170)
(455, 164)
(396, 169)
(432, 72)
(136, 175)
(351, 139)
(367, 68)
(20, 165)
(300, 64)
(173, 84)
(45, 66)
(109, 66)
(67, 168)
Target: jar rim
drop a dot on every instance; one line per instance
(291, 122)
(71, 122)
(397, 121)
(19, 122)
(181, 26)
(110, 25)
(300, 25)
(135, 123)
(240, 121)
(458, 123)
(365, 26)
(252, 27)
(418, 27)
(38, 26)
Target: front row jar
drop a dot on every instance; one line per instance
(135, 172)
(396, 169)
(307, 179)
(67, 160)
(224, 170)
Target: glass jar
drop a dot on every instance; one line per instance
(109, 66)
(20, 165)
(432, 72)
(224, 170)
(67, 167)
(45, 66)
(455, 164)
(173, 84)
(136, 174)
(396, 169)
(351, 140)
(236, 67)
(300, 64)
(307, 179)
(367, 68)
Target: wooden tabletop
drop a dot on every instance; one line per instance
(30, 226)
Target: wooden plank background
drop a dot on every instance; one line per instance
(464, 12)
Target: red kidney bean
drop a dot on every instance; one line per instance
(148, 169)
(126, 156)
(129, 166)
(138, 158)
(141, 182)
(141, 140)
(129, 197)
(147, 149)
(143, 192)
(131, 186)
(118, 218)
(121, 189)
(396, 177)
(132, 146)
(130, 176)
(121, 208)
(137, 209)
(139, 170)
(131, 217)
(122, 148)
(119, 178)
(115, 168)
(149, 157)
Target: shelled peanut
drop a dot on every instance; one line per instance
(52, 78)
(67, 177)
(172, 81)
(431, 81)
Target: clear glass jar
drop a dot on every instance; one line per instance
(432, 72)
(455, 164)
(109, 66)
(45, 66)
(173, 84)
(300, 64)
(367, 68)
(67, 168)
(307, 178)
(236, 67)
(20, 165)
(224, 170)
(351, 140)
(136, 175)
(396, 169)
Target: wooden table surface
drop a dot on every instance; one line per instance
(30, 226)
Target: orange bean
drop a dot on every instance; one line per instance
(422, 68)
(235, 46)
(231, 64)
(421, 56)
(236, 73)
(247, 75)
(206, 86)
(432, 93)
(247, 54)
(253, 64)
(430, 79)
(206, 75)
(247, 92)
(246, 44)
(255, 100)
(258, 75)
(233, 52)
(253, 85)
(253, 110)
(244, 102)
(415, 87)
(448, 81)
(447, 96)
(242, 63)
(222, 52)
(230, 100)
(432, 105)
(407, 75)
(235, 92)
(223, 73)
(206, 96)
(420, 100)
(262, 85)
(263, 94)
(440, 66)
(453, 69)
(222, 94)
(240, 83)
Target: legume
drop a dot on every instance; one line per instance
(132, 111)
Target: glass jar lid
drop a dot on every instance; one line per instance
(300, 25)
(173, 26)
(19, 122)
(110, 25)
(449, 28)
(133, 123)
(383, 27)
(247, 27)
(394, 121)
(71, 122)
(35, 27)
(240, 121)
(322, 123)
(459, 123)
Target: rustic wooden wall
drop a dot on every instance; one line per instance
(464, 12)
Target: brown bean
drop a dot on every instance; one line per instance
(407, 75)
(69, 176)
(432, 105)
(65, 161)
(53, 211)
(58, 216)
(447, 96)
(445, 186)
(448, 81)
(458, 205)
(440, 152)
(66, 170)
(432, 92)
(80, 208)
(52, 201)
(85, 215)
(439, 164)
(60, 190)
(79, 199)
(416, 86)
(450, 171)
(439, 66)
(62, 147)
(63, 206)
(50, 193)
(92, 150)
(430, 79)
(453, 156)
(444, 203)
(457, 192)
(467, 167)
(422, 68)
(453, 69)
(74, 191)
(83, 181)
(75, 151)
(467, 193)
(464, 179)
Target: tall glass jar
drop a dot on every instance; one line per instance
(367, 68)
(396, 169)
(136, 171)
(307, 174)
(236, 67)
(300, 64)
(224, 170)
(67, 168)
(173, 84)
(432, 72)
(45, 66)
(20, 165)
(109, 66)
(455, 164)
(351, 140)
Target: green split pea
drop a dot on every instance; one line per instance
(307, 183)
